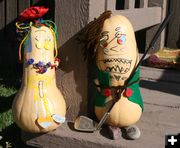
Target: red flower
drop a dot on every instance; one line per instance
(33, 13)
(107, 92)
(128, 92)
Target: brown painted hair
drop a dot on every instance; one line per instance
(91, 34)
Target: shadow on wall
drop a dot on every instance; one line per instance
(72, 78)
(178, 41)
(76, 79)
(10, 68)
(9, 50)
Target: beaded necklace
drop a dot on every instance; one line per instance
(42, 67)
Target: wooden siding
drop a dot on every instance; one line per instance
(141, 17)
(173, 38)
(71, 16)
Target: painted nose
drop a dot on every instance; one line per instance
(106, 51)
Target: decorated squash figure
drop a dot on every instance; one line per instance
(39, 105)
(111, 41)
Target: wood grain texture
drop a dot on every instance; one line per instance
(131, 4)
(32, 2)
(149, 17)
(11, 10)
(2, 19)
(11, 14)
(126, 4)
(163, 15)
(111, 4)
(163, 5)
(97, 8)
(23, 4)
(2, 25)
(152, 30)
(71, 16)
(10, 47)
(145, 3)
(173, 38)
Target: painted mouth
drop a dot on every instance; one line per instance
(117, 65)
(120, 60)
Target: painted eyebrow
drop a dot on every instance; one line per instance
(118, 28)
(36, 38)
(40, 30)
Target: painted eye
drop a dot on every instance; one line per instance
(121, 40)
(118, 34)
(36, 38)
(105, 37)
(103, 41)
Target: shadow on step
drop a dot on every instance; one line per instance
(171, 88)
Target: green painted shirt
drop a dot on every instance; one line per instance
(104, 81)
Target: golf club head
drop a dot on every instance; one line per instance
(85, 124)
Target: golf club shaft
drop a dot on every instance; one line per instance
(151, 45)
(103, 119)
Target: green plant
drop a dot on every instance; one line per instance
(6, 97)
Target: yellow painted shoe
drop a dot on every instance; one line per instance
(45, 122)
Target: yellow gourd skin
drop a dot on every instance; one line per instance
(113, 53)
(38, 98)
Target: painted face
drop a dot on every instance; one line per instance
(117, 53)
(41, 44)
(43, 40)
